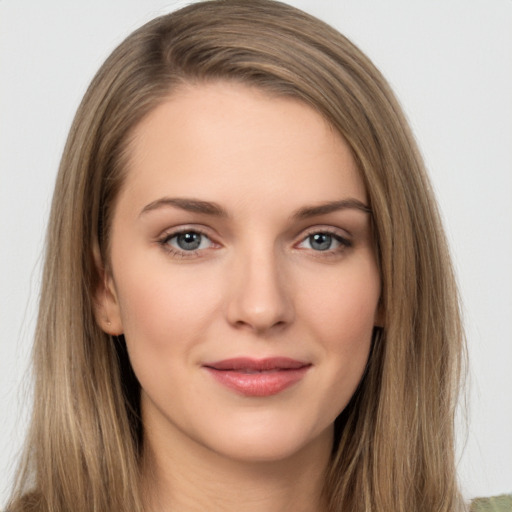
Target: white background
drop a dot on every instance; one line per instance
(449, 62)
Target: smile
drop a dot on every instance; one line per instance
(258, 377)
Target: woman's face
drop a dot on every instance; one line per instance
(243, 273)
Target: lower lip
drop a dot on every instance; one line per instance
(265, 383)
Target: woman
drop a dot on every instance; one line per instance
(282, 336)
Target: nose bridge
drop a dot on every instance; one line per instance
(260, 296)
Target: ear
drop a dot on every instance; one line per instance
(106, 304)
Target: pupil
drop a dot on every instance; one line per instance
(189, 241)
(320, 241)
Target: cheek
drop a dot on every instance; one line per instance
(164, 312)
(345, 307)
(343, 315)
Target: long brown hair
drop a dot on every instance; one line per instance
(394, 446)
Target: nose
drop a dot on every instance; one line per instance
(260, 299)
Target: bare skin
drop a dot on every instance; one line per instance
(208, 481)
(240, 233)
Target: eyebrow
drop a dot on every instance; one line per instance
(189, 205)
(211, 208)
(330, 207)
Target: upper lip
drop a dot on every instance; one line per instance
(248, 363)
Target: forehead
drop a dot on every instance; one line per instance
(235, 141)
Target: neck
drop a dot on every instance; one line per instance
(185, 478)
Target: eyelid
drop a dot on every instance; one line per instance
(341, 235)
(163, 238)
(321, 228)
(186, 228)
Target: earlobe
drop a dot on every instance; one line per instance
(106, 304)
(108, 315)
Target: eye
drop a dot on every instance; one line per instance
(324, 241)
(187, 241)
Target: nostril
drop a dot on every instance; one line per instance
(261, 327)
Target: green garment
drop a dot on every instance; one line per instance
(501, 503)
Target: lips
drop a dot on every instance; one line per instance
(258, 377)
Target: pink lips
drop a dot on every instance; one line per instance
(258, 377)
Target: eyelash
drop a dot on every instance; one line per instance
(344, 243)
(177, 253)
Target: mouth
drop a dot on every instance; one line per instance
(258, 377)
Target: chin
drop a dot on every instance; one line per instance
(275, 444)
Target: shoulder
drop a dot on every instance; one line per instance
(501, 503)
